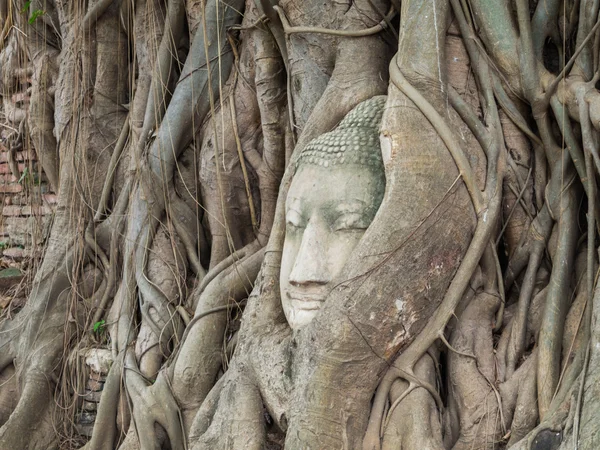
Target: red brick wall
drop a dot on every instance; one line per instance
(26, 207)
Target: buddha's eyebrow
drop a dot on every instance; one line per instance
(351, 206)
(293, 202)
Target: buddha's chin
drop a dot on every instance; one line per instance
(301, 315)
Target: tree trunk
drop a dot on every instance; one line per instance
(298, 224)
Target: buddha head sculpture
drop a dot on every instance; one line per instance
(336, 191)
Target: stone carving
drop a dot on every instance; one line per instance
(337, 189)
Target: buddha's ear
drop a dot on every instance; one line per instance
(386, 149)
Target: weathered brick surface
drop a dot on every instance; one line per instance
(24, 231)
(26, 200)
(51, 199)
(5, 168)
(14, 253)
(10, 188)
(19, 156)
(95, 385)
(26, 204)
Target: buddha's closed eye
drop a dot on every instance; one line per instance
(351, 222)
(294, 220)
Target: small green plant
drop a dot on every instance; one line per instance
(24, 175)
(34, 15)
(99, 326)
(29, 178)
(3, 245)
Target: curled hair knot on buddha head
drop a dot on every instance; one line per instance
(354, 141)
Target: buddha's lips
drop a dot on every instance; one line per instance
(306, 301)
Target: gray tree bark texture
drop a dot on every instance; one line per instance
(208, 158)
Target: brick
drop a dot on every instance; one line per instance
(86, 418)
(20, 97)
(5, 168)
(8, 178)
(85, 430)
(26, 156)
(27, 210)
(94, 385)
(95, 375)
(35, 210)
(89, 406)
(14, 253)
(12, 210)
(92, 396)
(24, 230)
(9, 262)
(19, 156)
(18, 199)
(51, 199)
(13, 188)
(99, 361)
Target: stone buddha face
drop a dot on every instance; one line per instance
(336, 191)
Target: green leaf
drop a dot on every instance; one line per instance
(99, 326)
(25, 7)
(34, 15)
(24, 175)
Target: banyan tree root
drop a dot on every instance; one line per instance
(169, 158)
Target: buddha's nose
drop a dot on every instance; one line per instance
(310, 266)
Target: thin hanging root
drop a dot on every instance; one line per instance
(117, 228)
(519, 328)
(190, 247)
(377, 424)
(551, 331)
(549, 91)
(97, 250)
(443, 130)
(492, 385)
(567, 360)
(500, 285)
(152, 405)
(411, 387)
(514, 208)
(538, 232)
(238, 143)
(511, 110)
(237, 256)
(105, 425)
(375, 428)
(580, 398)
(216, 309)
(183, 314)
(112, 170)
(184, 221)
